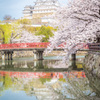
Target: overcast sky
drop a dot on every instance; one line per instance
(15, 7)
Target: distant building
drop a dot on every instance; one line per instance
(28, 12)
(41, 11)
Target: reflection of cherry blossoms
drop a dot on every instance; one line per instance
(58, 64)
(78, 22)
(26, 37)
(73, 86)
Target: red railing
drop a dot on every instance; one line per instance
(24, 45)
(93, 46)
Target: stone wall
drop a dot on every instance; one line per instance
(92, 70)
(23, 54)
(31, 54)
(92, 63)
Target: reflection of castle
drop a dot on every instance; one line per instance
(41, 11)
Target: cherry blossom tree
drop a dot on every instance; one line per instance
(78, 22)
(20, 35)
(26, 37)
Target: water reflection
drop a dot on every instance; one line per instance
(46, 85)
(37, 80)
(94, 81)
(41, 85)
(27, 64)
(41, 65)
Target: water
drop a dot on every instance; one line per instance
(25, 79)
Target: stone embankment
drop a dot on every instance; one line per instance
(92, 63)
(17, 54)
(92, 71)
(22, 54)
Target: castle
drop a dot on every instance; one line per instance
(41, 11)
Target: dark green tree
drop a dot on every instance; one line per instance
(46, 32)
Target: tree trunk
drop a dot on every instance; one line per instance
(98, 39)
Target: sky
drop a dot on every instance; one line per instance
(14, 8)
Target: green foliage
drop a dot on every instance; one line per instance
(7, 81)
(46, 32)
(31, 29)
(9, 31)
(62, 80)
(43, 80)
(24, 21)
(79, 65)
(5, 33)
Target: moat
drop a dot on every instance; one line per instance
(24, 78)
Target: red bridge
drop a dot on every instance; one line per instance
(43, 45)
(39, 47)
(24, 45)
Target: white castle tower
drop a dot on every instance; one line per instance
(27, 12)
(41, 11)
